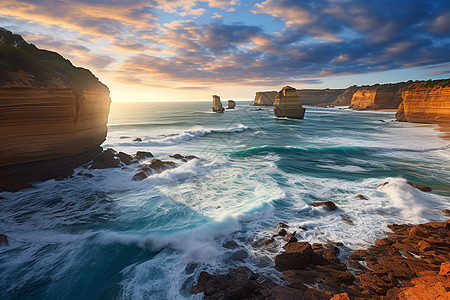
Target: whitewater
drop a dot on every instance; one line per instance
(109, 237)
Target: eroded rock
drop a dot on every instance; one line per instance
(327, 204)
(105, 160)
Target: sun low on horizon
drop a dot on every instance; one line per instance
(189, 50)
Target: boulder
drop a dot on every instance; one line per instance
(230, 245)
(297, 256)
(328, 204)
(137, 140)
(231, 104)
(359, 196)
(105, 160)
(158, 166)
(125, 158)
(239, 255)
(423, 188)
(142, 155)
(290, 238)
(139, 176)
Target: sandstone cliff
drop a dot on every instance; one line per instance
(308, 96)
(217, 104)
(384, 96)
(426, 102)
(52, 115)
(345, 99)
(264, 98)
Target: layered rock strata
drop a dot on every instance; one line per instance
(264, 98)
(52, 115)
(319, 97)
(345, 99)
(231, 104)
(426, 102)
(217, 104)
(287, 104)
(385, 96)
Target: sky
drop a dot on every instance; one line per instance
(189, 50)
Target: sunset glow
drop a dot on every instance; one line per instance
(189, 50)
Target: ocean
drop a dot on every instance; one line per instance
(109, 237)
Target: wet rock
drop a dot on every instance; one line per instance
(139, 176)
(142, 155)
(159, 166)
(190, 157)
(423, 188)
(297, 256)
(124, 137)
(361, 197)
(382, 184)
(137, 140)
(184, 158)
(239, 255)
(66, 175)
(230, 245)
(348, 221)
(125, 158)
(446, 211)
(266, 241)
(105, 160)
(328, 204)
(190, 268)
(283, 225)
(282, 232)
(3, 240)
(177, 156)
(290, 238)
(303, 228)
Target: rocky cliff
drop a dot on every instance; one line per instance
(53, 115)
(345, 99)
(384, 96)
(426, 102)
(264, 98)
(308, 96)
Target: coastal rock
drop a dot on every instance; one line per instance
(105, 160)
(283, 225)
(137, 140)
(239, 255)
(359, 196)
(290, 238)
(125, 158)
(378, 96)
(54, 115)
(184, 158)
(142, 155)
(139, 176)
(158, 166)
(426, 102)
(328, 204)
(287, 104)
(297, 256)
(423, 188)
(3, 240)
(345, 99)
(230, 245)
(231, 104)
(319, 97)
(217, 104)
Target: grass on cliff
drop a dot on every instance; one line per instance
(46, 67)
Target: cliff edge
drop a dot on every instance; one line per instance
(53, 115)
(426, 102)
(378, 96)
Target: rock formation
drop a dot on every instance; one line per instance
(345, 99)
(287, 104)
(231, 104)
(217, 104)
(264, 98)
(384, 96)
(319, 97)
(426, 102)
(53, 115)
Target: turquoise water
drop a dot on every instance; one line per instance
(109, 237)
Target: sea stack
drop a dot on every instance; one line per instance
(287, 104)
(217, 105)
(231, 104)
(53, 114)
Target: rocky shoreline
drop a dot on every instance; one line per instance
(412, 262)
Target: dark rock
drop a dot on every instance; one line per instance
(190, 157)
(290, 238)
(125, 158)
(3, 240)
(88, 175)
(159, 166)
(137, 140)
(239, 255)
(283, 225)
(142, 154)
(68, 174)
(124, 137)
(328, 204)
(177, 156)
(139, 176)
(190, 268)
(348, 221)
(230, 245)
(359, 196)
(446, 211)
(297, 256)
(282, 232)
(382, 184)
(266, 241)
(423, 188)
(303, 228)
(105, 160)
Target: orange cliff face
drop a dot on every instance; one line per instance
(386, 96)
(426, 102)
(53, 115)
